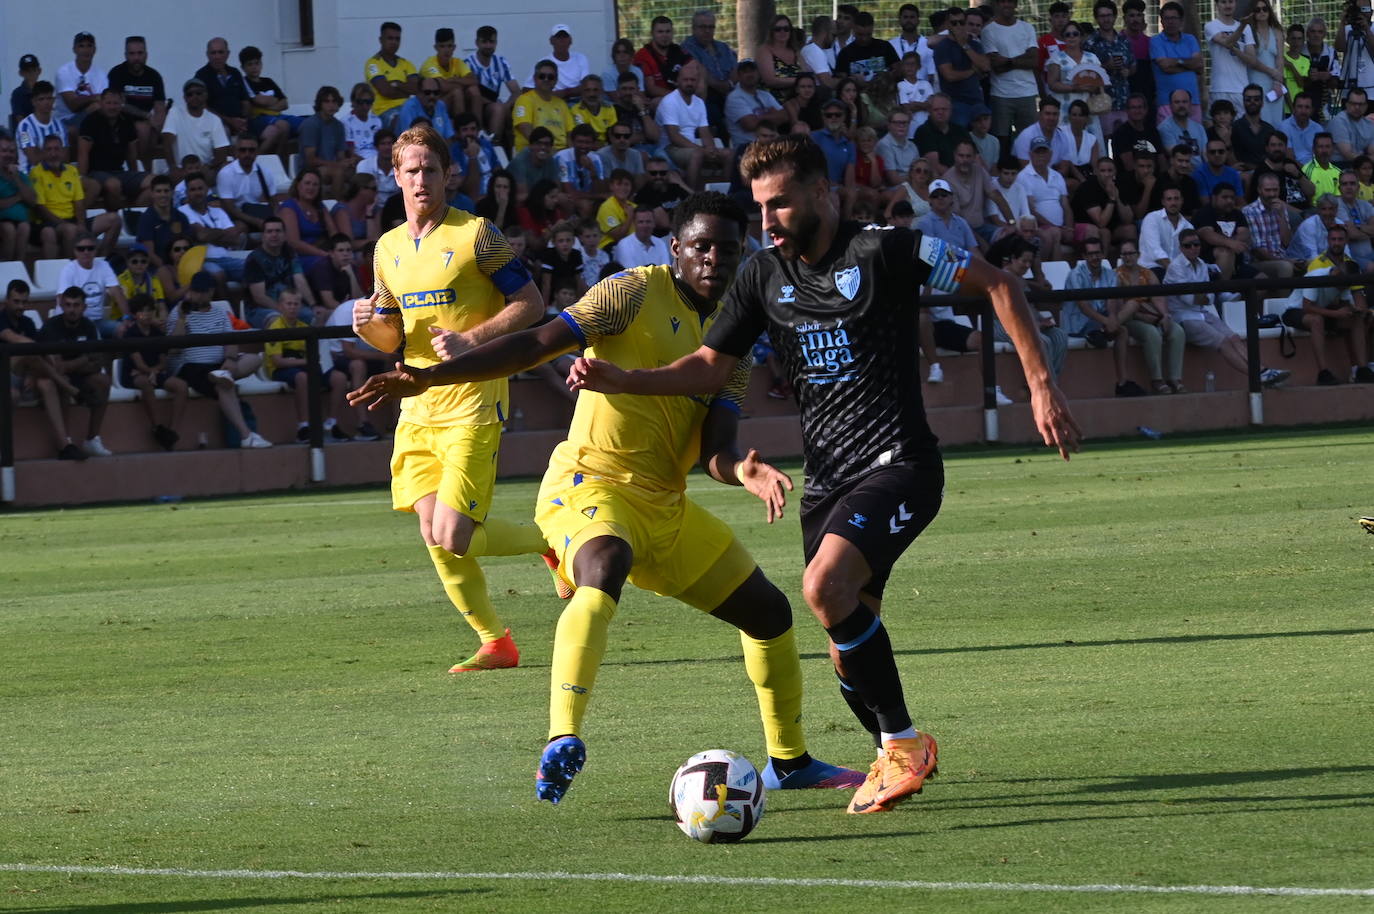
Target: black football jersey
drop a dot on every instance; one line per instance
(845, 329)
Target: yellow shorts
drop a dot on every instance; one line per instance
(457, 461)
(675, 545)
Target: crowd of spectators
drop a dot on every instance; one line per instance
(1121, 153)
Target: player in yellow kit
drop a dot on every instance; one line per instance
(613, 500)
(447, 272)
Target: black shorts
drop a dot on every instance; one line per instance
(490, 95)
(197, 377)
(881, 513)
(951, 335)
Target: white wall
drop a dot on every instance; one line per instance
(345, 34)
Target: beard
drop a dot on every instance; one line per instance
(794, 239)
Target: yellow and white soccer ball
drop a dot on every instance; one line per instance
(717, 796)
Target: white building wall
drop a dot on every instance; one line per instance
(345, 34)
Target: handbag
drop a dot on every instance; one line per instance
(1099, 103)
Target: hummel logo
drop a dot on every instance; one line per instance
(903, 515)
(787, 295)
(858, 520)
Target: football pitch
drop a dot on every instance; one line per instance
(1150, 671)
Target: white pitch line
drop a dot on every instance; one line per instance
(756, 881)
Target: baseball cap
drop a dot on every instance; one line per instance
(28, 62)
(978, 111)
(203, 282)
(560, 28)
(942, 184)
(833, 103)
(83, 36)
(1039, 143)
(138, 249)
(1146, 147)
(193, 81)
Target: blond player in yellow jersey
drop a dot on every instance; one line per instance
(613, 500)
(445, 273)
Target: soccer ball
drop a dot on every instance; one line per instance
(716, 796)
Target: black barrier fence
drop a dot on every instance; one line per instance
(1252, 291)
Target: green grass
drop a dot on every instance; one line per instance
(1151, 666)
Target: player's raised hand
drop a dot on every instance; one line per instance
(765, 481)
(1053, 419)
(596, 374)
(392, 385)
(448, 344)
(364, 310)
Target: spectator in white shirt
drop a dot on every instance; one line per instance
(380, 167)
(687, 133)
(818, 54)
(97, 281)
(748, 105)
(192, 130)
(1160, 230)
(244, 188)
(79, 82)
(642, 248)
(1049, 198)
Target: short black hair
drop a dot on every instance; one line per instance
(389, 26)
(141, 301)
(17, 285)
(249, 53)
(709, 203)
(486, 33)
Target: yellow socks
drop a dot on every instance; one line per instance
(466, 587)
(497, 536)
(775, 669)
(578, 646)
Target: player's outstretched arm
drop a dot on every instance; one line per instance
(1048, 404)
(500, 358)
(700, 372)
(721, 460)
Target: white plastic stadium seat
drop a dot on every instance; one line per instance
(258, 383)
(720, 187)
(1056, 272)
(118, 392)
(45, 276)
(273, 168)
(13, 269)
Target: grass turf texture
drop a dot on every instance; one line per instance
(1150, 666)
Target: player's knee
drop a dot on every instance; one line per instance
(603, 562)
(771, 618)
(828, 594)
(455, 538)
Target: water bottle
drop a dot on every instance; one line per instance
(517, 420)
(1209, 381)
(202, 442)
(1149, 432)
(167, 500)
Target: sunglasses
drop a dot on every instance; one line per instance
(657, 174)
(180, 248)
(833, 115)
(621, 136)
(1191, 244)
(543, 76)
(85, 247)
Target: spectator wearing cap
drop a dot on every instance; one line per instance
(541, 107)
(718, 61)
(21, 99)
(427, 103)
(687, 129)
(210, 369)
(138, 279)
(267, 104)
(834, 141)
(107, 154)
(572, 65)
(145, 95)
(79, 82)
(192, 130)
(961, 63)
(1048, 196)
(1138, 128)
(393, 78)
(455, 77)
(1057, 138)
(943, 222)
(40, 124)
(749, 105)
(227, 92)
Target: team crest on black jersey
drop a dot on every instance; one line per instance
(847, 282)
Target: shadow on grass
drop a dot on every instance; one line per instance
(1358, 802)
(227, 904)
(1185, 780)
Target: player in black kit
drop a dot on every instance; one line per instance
(838, 301)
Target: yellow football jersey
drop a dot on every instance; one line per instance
(602, 120)
(553, 114)
(377, 66)
(456, 277)
(59, 192)
(432, 69)
(639, 319)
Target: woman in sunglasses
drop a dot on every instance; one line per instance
(1074, 74)
(779, 59)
